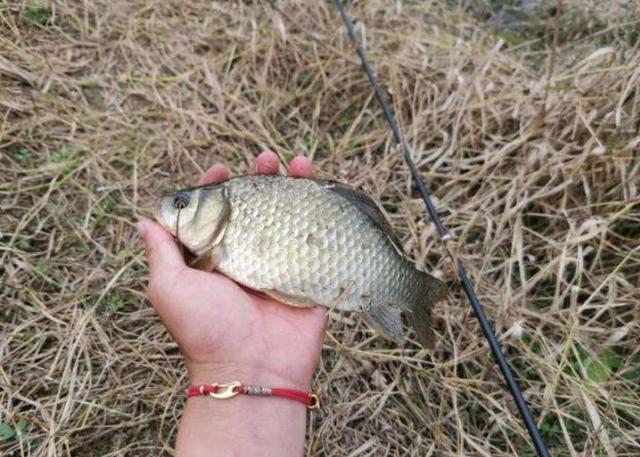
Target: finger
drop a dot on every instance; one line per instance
(217, 173)
(300, 167)
(163, 254)
(183, 297)
(268, 163)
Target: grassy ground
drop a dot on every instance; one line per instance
(531, 151)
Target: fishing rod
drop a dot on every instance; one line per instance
(487, 330)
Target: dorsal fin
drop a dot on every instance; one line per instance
(365, 204)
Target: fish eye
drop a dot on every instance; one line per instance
(181, 200)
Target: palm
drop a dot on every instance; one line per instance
(231, 326)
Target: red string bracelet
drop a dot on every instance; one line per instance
(231, 389)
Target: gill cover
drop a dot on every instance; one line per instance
(197, 217)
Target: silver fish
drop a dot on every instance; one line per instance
(305, 242)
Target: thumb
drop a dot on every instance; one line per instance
(163, 254)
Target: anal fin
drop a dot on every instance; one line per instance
(386, 320)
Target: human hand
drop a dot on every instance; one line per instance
(227, 332)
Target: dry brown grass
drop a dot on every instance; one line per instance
(533, 160)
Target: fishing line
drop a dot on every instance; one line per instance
(178, 233)
(487, 330)
(180, 201)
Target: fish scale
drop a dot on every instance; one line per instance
(344, 250)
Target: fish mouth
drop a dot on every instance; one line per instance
(157, 214)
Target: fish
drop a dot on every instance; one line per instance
(305, 243)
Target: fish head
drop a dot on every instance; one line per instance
(196, 217)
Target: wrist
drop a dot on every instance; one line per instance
(242, 425)
(209, 372)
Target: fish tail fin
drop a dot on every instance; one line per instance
(431, 291)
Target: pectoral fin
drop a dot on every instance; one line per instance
(292, 300)
(386, 320)
(204, 261)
